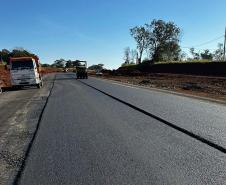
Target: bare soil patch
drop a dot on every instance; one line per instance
(205, 86)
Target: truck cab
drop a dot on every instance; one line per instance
(81, 70)
(25, 71)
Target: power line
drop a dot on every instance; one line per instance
(205, 43)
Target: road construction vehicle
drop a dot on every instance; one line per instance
(81, 70)
(25, 71)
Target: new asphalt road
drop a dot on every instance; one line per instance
(87, 137)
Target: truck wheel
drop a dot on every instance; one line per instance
(39, 86)
(17, 87)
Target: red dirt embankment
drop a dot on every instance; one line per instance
(47, 70)
(4, 77)
(204, 86)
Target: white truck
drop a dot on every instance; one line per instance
(25, 71)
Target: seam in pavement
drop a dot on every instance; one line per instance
(212, 100)
(189, 133)
(23, 165)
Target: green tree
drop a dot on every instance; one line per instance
(206, 55)
(16, 52)
(141, 36)
(133, 55)
(46, 65)
(5, 55)
(21, 52)
(59, 63)
(69, 64)
(163, 41)
(195, 55)
(219, 53)
(97, 68)
(127, 55)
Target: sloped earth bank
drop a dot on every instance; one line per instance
(204, 86)
(19, 116)
(4, 78)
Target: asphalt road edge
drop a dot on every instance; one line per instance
(23, 165)
(180, 129)
(212, 100)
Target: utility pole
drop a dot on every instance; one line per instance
(224, 44)
(1, 57)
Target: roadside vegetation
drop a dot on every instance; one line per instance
(5, 54)
(159, 42)
(158, 61)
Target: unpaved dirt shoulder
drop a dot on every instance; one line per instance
(209, 88)
(19, 115)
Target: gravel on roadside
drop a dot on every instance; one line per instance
(19, 114)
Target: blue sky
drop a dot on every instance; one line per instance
(98, 30)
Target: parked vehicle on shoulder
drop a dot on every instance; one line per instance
(99, 73)
(25, 71)
(65, 70)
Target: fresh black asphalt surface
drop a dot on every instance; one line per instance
(203, 118)
(86, 137)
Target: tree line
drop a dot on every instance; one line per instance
(6, 54)
(160, 40)
(216, 55)
(62, 63)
